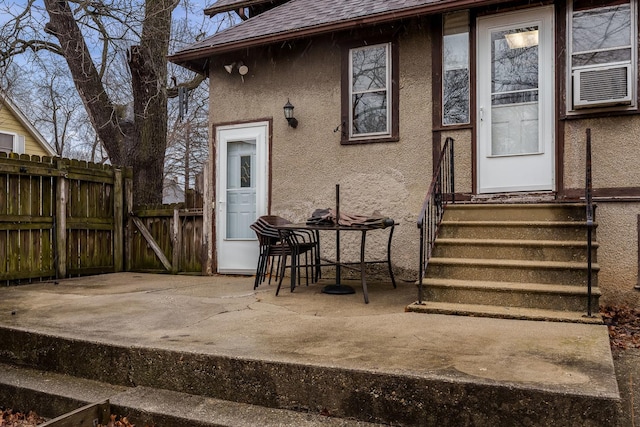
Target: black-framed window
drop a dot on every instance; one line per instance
(370, 93)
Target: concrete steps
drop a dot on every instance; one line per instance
(57, 394)
(501, 256)
(171, 388)
(503, 312)
(542, 250)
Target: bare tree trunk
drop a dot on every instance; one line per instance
(148, 66)
(141, 143)
(62, 25)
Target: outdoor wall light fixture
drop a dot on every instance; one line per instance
(288, 114)
(242, 69)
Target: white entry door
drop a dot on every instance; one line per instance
(242, 191)
(516, 102)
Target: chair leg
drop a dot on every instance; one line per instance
(278, 268)
(281, 273)
(295, 269)
(260, 270)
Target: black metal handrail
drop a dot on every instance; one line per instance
(588, 188)
(441, 192)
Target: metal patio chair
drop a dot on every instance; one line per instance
(276, 246)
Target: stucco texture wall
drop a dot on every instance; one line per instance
(615, 153)
(617, 238)
(308, 162)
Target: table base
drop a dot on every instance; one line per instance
(338, 290)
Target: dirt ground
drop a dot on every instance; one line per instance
(624, 336)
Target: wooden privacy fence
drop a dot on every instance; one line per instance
(168, 238)
(61, 217)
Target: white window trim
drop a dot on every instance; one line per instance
(18, 142)
(570, 110)
(387, 89)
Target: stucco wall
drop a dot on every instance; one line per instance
(617, 237)
(615, 154)
(309, 161)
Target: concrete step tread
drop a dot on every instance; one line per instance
(508, 205)
(512, 263)
(164, 407)
(511, 223)
(514, 242)
(503, 312)
(510, 286)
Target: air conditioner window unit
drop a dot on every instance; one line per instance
(602, 86)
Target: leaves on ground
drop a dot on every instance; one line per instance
(19, 419)
(119, 422)
(31, 419)
(624, 326)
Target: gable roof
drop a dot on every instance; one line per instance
(228, 5)
(302, 18)
(24, 121)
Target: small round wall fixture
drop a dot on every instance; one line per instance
(288, 114)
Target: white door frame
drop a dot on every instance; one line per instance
(240, 256)
(517, 172)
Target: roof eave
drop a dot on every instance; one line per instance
(188, 57)
(210, 11)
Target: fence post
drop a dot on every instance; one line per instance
(128, 198)
(61, 220)
(118, 224)
(208, 217)
(176, 241)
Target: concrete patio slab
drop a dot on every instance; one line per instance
(223, 317)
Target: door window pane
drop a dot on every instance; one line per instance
(241, 191)
(245, 171)
(514, 92)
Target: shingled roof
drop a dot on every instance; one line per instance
(303, 18)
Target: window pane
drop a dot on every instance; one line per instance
(605, 57)
(369, 67)
(602, 28)
(245, 171)
(6, 142)
(455, 93)
(515, 60)
(455, 73)
(515, 97)
(369, 113)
